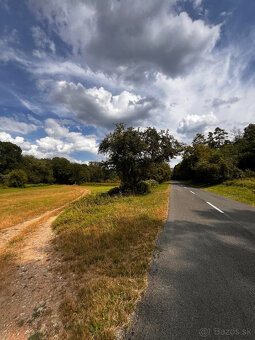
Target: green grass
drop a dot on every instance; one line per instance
(5, 189)
(103, 184)
(242, 190)
(98, 188)
(107, 244)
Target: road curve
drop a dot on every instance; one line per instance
(202, 279)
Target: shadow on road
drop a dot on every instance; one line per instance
(202, 277)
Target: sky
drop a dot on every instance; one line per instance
(71, 69)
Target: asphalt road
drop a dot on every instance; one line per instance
(202, 278)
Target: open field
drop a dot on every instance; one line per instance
(242, 190)
(19, 205)
(106, 245)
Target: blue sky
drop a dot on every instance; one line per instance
(70, 69)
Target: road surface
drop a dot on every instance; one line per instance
(202, 278)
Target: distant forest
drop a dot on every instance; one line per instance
(209, 159)
(16, 169)
(216, 157)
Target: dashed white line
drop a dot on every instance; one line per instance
(215, 207)
(192, 192)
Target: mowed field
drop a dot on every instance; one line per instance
(18, 205)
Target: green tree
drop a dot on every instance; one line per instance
(17, 178)
(199, 139)
(79, 173)
(61, 170)
(10, 157)
(38, 170)
(220, 137)
(131, 152)
(160, 172)
(246, 147)
(217, 138)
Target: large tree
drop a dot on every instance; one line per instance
(246, 146)
(10, 157)
(134, 152)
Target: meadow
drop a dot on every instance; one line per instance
(106, 245)
(18, 205)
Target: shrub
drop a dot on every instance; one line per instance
(143, 187)
(3, 179)
(249, 173)
(152, 183)
(17, 178)
(114, 191)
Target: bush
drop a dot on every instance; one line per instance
(114, 191)
(152, 183)
(249, 173)
(143, 187)
(17, 178)
(3, 179)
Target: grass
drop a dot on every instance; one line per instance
(242, 190)
(107, 244)
(20, 204)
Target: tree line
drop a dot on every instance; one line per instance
(133, 156)
(17, 170)
(216, 157)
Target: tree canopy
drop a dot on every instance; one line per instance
(216, 158)
(136, 153)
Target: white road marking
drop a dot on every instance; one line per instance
(192, 192)
(215, 207)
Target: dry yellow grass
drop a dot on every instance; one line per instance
(10, 250)
(19, 205)
(107, 244)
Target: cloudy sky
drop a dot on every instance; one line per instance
(70, 69)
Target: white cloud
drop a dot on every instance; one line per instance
(131, 39)
(217, 86)
(192, 124)
(148, 65)
(9, 124)
(59, 142)
(53, 129)
(6, 137)
(197, 3)
(41, 40)
(97, 106)
(30, 106)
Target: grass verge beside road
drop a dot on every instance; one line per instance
(242, 190)
(107, 244)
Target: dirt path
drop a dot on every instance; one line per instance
(8, 233)
(31, 291)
